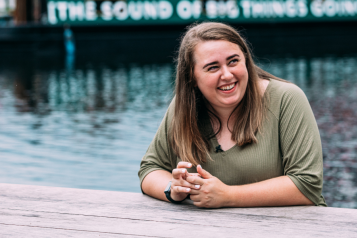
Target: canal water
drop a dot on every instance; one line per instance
(86, 123)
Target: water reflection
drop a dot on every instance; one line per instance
(86, 128)
(88, 125)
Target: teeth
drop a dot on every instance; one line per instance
(226, 88)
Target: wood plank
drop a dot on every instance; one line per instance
(28, 231)
(118, 213)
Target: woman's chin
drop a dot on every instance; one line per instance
(232, 101)
(228, 104)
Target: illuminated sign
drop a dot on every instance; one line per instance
(184, 11)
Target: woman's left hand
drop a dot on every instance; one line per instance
(213, 193)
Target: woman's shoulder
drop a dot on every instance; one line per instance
(284, 90)
(280, 87)
(283, 94)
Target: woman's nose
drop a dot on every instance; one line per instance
(226, 74)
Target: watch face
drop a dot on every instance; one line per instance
(168, 194)
(168, 188)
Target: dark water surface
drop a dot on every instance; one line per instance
(87, 124)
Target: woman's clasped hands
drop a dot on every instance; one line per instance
(204, 189)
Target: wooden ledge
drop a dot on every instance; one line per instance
(37, 211)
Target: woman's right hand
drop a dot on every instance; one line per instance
(180, 188)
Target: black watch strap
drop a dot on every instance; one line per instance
(168, 194)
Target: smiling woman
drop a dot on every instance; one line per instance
(220, 73)
(234, 135)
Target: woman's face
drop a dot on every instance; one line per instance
(220, 73)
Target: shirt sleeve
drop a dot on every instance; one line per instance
(159, 155)
(300, 144)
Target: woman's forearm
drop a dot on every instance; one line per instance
(155, 183)
(280, 191)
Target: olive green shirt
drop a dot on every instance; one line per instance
(288, 144)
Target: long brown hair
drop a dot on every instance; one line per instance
(188, 138)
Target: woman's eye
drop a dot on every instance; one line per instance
(212, 68)
(233, 61)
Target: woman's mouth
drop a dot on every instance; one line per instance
(227, 87)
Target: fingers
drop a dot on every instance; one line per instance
(178, 176)
(179, 189)
(195, 198)
(195, 180)
(203, 172)
(181, 174)
(197, 201)
(184, 165)
(181, 170)
(194, 192)
(184, 183)
(178, 173)
(194, 174)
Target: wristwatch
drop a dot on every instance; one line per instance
(168, 194)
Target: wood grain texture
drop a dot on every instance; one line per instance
(36, 211)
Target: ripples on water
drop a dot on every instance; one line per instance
(88, 126)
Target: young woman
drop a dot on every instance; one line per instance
(234, 135)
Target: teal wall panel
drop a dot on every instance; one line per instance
(132, 12)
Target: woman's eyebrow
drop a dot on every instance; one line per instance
(232, 56)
